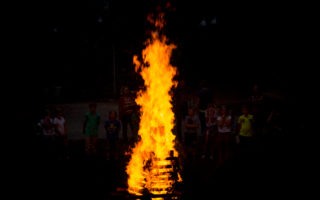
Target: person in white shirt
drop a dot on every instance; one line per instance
(209, 146)
(224, 134)
(61, 134)
(192, 123)
(48, 133)
(46, 125)
(60, 125)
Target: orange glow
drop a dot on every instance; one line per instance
(147, 166)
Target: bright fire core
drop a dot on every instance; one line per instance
(146, 168)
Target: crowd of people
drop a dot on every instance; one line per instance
(218, 132)
(204, 129)
(52, 128)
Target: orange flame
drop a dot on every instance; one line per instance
(147, 166)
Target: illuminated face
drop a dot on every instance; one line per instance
(191, 112)
(126, 90)
(223, 110)
(245, 111)
(112, 116)
(92, 109)
(255, 88)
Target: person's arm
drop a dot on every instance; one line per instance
(270, 117)
(240, 121)
(251, 119)
(65, 127)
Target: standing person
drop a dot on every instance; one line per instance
(234, 123)
(256, 101)
(245, 127)
(179, 105)
(90, 128)
(211, 131)
(46, 124)
(48, 133)
(192, 123)
(224, 134)
(127, 107)
(61, 133)
(204, 96)
(112, 127)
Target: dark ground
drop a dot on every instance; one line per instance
(271, 169)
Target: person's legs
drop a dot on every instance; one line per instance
(190, 144)
(125, 121)
(212, 145)
(94, 144)
(61, 146)
(245, 143)
(115, 149)
(228, 138)
(134, 126)
(187, 144)
(202, 119)
(66, 146)
(108, 149)
(205, 144)
(88, 145)
(221, 148)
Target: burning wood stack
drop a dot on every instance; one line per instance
(153, 168)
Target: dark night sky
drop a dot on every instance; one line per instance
(65, 44)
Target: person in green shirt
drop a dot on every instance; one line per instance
(245, 126)
(90, 128)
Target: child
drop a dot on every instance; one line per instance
(245, 127)
(48, 133)
(211, 131)
(127, 107)
(46, 125)
(192, 123)
(224, 134)
(61, 133)
(112, 127)
(90, 129)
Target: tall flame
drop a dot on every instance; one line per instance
(146, 168)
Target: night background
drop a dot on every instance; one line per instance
(80, 52)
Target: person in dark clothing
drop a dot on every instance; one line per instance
(127, 107)
(112, 127)
(180, 103)
(192, 124)
(205, 97)
(256, 101)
